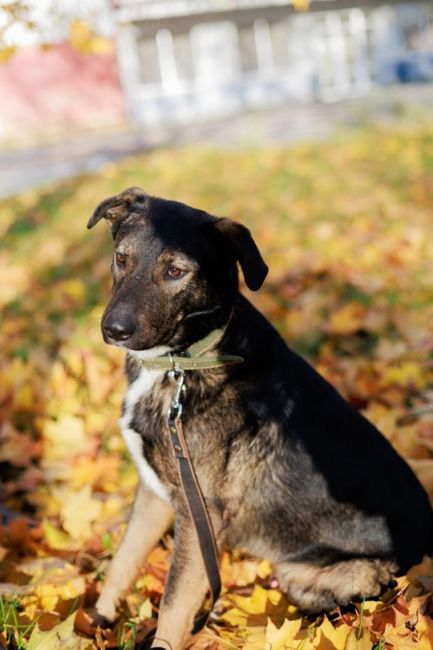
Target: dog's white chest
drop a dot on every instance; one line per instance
(142, 385)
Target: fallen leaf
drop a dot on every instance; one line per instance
(60, 637)
(400, 637)
(56, 538)
(78, 511)
(346, 320)
(424, 628)
(357, 640)
(145, 610)
(283, 637)
(259, 600)
(329, 637)
(404, 374)
(65, 437)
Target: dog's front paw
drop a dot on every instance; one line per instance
(104, 610)
(99, 620)
(87, 622)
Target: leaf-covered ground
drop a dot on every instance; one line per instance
(346, 227)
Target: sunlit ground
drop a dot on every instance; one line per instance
(346, 228)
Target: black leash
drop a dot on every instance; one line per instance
(196, 504)
(200, 518)
(194, 496)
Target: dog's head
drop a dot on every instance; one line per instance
(174, 271)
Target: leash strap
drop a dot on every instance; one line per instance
(199, 516)
(195, 501)
(194, 496)
(175, 367)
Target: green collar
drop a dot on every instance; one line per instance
(194, 358)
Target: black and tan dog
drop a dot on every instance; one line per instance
(288, 469)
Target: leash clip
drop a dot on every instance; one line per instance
(177, 375)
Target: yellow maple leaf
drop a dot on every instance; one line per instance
(235, 617)
(329, 637)
(244, 572)
(24, 397)
(78, 511)
(73, 359)
(73, 289)
(66, 437)
(404, 374)
(145, 610)
(264, 569)
(424, 627)
(52, 580)
(49, 593)
(152, 583)
(282, 638)
(400, 637)
(59, 637)
(255, 639)
(346, 319)
(370, 606)
(359, 640)
(257, 603)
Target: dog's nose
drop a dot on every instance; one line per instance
(119, 329)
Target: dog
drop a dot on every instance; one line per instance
(288, 469)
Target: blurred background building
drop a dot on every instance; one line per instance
(182, 60)
(139, 69)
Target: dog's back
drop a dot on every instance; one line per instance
(325, 470)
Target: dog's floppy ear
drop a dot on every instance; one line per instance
(244, 248)
(118, 207)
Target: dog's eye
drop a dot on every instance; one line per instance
(175, 273)
(120, 259)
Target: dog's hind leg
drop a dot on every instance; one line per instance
(185, 589)
(316, 589)
(150, 518)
